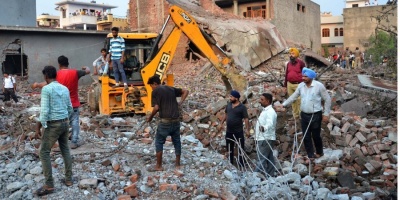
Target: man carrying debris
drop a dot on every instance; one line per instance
(293, 78)
(9, 88)
(69, 78)
(312, 92)
(55, 109)
(265, 136)
(235, 114)
(164, 100)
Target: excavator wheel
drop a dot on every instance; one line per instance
(94, 97)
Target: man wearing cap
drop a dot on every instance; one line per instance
(235, 113)
(293, 78)
(312, 92)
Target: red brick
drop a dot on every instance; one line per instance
(365, 130)
(166, 186)
(376, 149)
(384, 156)
(391, 171)
(391, 158)
(178, 173)
(345, 127)
(377, 165)
(147, 140)
(124, 197)
(370, 168)
(134, 178)
(384, 147)
(353, 142)
(361, 137)
(386, 164)
(349, 137)
(357, 168)
(211, 193)
(150, 181)
(131, 190)
(371, 137)
(370, 150)
(393, 149)
(364, 150)
(358, 152)
(227, 195)
(389, 184)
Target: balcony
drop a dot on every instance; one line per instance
(78, 19)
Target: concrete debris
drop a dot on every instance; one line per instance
(359, 161)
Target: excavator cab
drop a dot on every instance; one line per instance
(137, 50)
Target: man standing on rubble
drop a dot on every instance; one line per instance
(312, 92)
(235, 114)
(265, 136)
(55, 109)
(163, 100)
(9, 88)
(69, 78)
(293, 78)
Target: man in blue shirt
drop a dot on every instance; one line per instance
(117, 51)
(55, 110)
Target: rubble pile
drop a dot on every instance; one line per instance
(359, 162)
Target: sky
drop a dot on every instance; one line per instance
(336, 6)
(47, 6)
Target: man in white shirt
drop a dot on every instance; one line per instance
(9, 88)
(265, 136)
(312, 92)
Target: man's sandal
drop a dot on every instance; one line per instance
(67, 183)
(44, 190)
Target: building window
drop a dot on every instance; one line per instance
(298, 7)
(303, 8)
(325, 32)
(336, 32)
(255, 12)
(354, 5)
(341, 31)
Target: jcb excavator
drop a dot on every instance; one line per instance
(144, 48)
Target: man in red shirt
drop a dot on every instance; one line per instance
(69, 78)
(293, 78)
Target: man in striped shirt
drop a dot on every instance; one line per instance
(55, 109)
(117, 50)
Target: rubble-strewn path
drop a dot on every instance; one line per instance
(360, 160)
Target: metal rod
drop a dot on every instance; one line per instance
(22, 59)
(165, 24)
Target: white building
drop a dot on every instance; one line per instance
(358, 3)
(331, 30)
(81, 15)
(46, 20)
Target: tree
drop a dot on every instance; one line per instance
(384, 41)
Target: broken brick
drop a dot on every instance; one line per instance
(165, 186)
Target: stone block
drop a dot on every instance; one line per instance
(346, 179)
(88, 183)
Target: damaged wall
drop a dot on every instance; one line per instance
(43, 46)
(359, 25)
(256, 40)
(297, 26)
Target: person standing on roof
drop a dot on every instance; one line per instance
(293, 78)
(116, 56)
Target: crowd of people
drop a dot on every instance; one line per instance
(349, 59)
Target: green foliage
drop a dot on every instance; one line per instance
(326, 50)
(384, 44)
